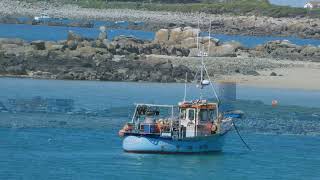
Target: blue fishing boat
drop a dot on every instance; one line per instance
(195, 126)
(199, 128)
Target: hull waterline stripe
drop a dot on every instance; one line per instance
(167, 152)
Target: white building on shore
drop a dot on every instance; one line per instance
(312, 4)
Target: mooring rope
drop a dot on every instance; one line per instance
(236, 128)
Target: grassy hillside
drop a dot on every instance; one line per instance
(235, 7)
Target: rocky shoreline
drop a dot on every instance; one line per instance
(78, 58)
(222, 24)
(166, 59)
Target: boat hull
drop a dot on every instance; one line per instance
(142, 144)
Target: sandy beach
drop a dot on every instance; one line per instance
(292, 78)
(289, 74)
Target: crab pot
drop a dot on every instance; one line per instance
(227, 92)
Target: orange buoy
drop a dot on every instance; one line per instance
(214, 128)
(274, 103)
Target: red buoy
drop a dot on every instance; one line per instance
(274, 103)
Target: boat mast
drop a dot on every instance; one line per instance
(201, 73)
(209, 44)
(185, 88)
(203, 69)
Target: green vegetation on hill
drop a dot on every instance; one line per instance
(234, 7)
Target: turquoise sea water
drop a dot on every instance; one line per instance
(54, 33)
(36, 145)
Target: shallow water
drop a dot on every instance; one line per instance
(36, 145)
(54, 33)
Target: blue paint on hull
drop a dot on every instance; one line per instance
(141, 144)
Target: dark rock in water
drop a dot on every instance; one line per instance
(84, 24)
(251, 72)
(52, 23)
(273, 74)
(61, 23)
(40, 45)
(102, 36)
(74, 36)
(72, 44)
(172, 24)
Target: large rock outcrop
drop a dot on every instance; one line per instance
(120, 60)
(186, 37)
(162, 36)
(176, 35)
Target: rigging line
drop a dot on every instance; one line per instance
(202, 54)
(211, 84)
(236, 128)
(195, 77)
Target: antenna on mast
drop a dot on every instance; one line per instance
(185, 88)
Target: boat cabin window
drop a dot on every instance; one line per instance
(183, 113)
(206, 114)
(191, 114)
